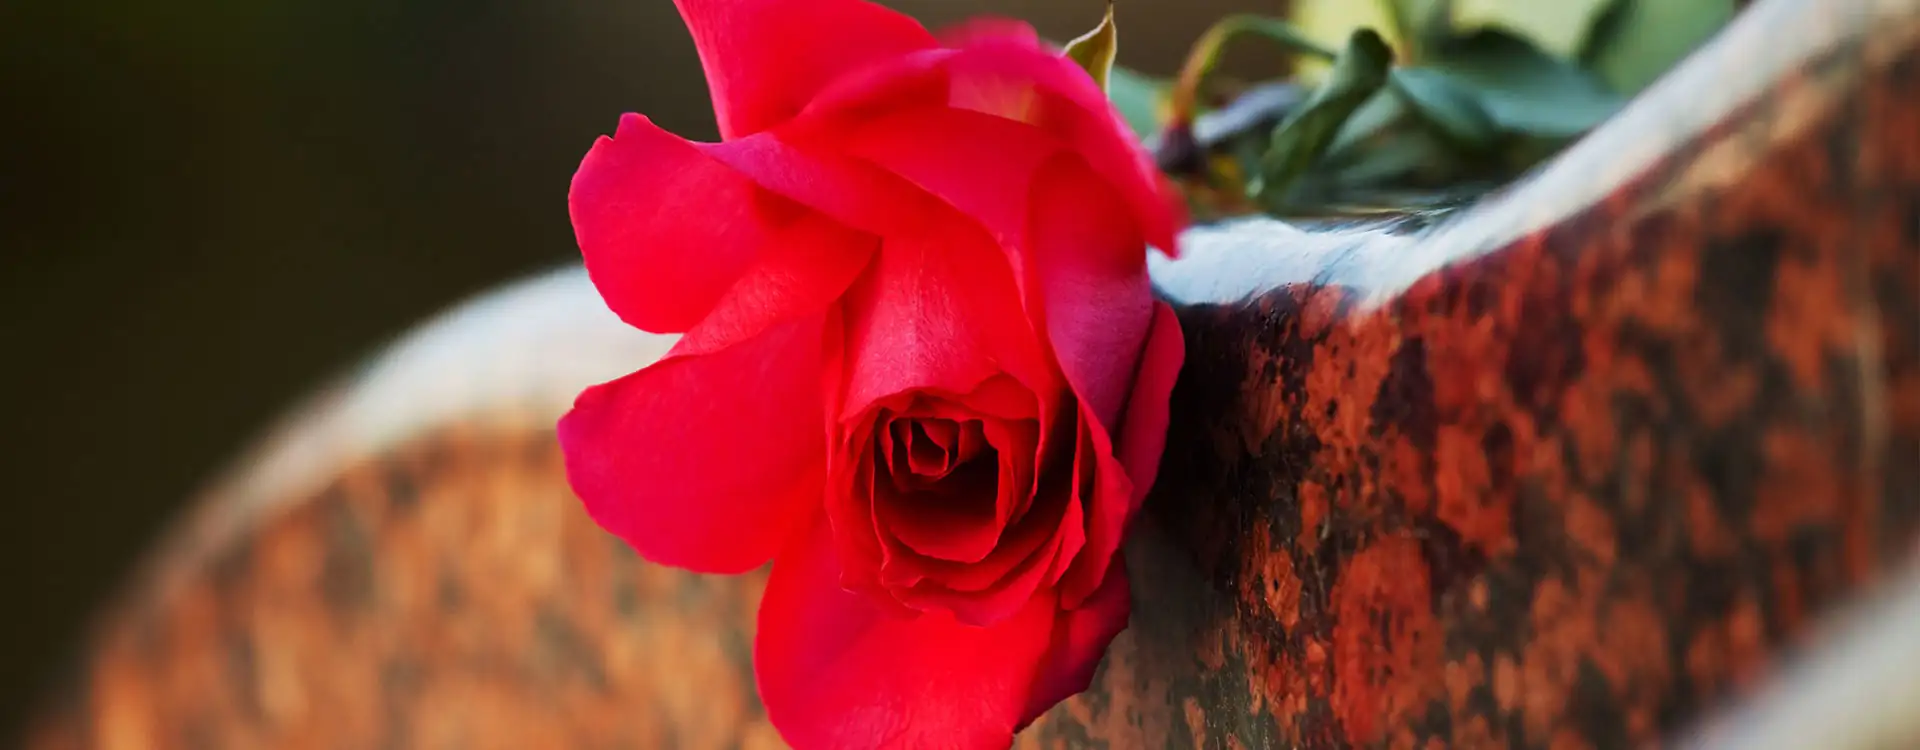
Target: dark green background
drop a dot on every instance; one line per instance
(208, 208)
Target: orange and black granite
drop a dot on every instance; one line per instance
(1570, 489)
(449, 595)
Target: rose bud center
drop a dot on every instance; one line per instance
(925, 451)
(941, 496)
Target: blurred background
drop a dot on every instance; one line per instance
(208, 209)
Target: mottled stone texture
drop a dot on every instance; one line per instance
(449, 595)
(1567, 492)
(1572, 487)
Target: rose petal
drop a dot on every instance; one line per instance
(1002, 398)
(1080, 640)
(983, 168)
(852, 192)
(934, 446)
(657, 455)
(929, 445)
(1016, 443)
(1095, 308)
(1016, 569)
(1144, 435)
(849, 509)
(1005, 595)
(1067, 232)
(937, 312)
(1090, 281)
(835, 671)
(915, 80)
(1079, 113)
(1121, 483)
(1073, 537)
(807, 268)
(1106, 494)
(665, 230)
(765, 59)
(927, 522)
(1013, 76)
(949, 520)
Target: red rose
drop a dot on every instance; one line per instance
(922, 369)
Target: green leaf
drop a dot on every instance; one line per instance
(1525, 90)
(1387, 144)
(1095, 49)
(1639, 40)
(1300, 139)
(1330, 22)
(1379, 118)
(1452, 109)
(1406, 158)
(1138, 98)
(1557, 27)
